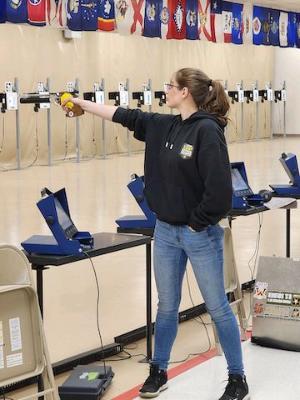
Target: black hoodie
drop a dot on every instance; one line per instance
(187, 169)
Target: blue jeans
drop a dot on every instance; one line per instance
(173, 245)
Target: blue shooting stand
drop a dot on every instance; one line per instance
(136, 187)
(290, 165)
(242, 195)
(66, 239)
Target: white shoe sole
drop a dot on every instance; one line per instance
(148, 395)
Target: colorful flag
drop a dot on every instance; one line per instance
(106, 15)
(216, 6)
(283, 29)
(217, 21)
(237, 23)
(206, 21)
(291, 29)
(259, 25)
(129, 16)
(192, 19)
(177, 20)
(74, 15)
(16, 11)
(247, 23)
(155, 13)
(138, 16)
(2, 11)
(164, 19)
(297, 37)
(36, 12)
(274, 27)
(227, 21)
(89, 15)
(56, 15)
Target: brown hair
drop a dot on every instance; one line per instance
(209, 95)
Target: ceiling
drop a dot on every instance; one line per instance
(288, 5)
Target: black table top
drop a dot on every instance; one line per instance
(234, 212)
(104, 243)
(141, 231)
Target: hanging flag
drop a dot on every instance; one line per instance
(247, 23)
(123, 16)
(56, 15)
(138, 17)
(259, 18)
(227, 21)
(177, 20)
(155, 13)
(126, 13)
(237, 23)
(291, 29)
(192, 19)
(216, 6)
(274, 27)
(216, 21)
(74, 15)
(36, 12)
(164, 19)
(89, 15)
(2, 11)
(266, 27)
(16, 11)
(297, 37)
(106, 15)
(283, 29)
(206, 29)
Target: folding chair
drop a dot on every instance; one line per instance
(23, 348)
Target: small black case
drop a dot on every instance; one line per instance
(79, 387)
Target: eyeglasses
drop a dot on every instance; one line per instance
(169, 86)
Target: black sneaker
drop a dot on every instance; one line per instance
(155, 383)
(236, 389)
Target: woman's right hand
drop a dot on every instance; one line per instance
(71, 105)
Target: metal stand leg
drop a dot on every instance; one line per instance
(40, 294)
(288, 233)
(40, 287)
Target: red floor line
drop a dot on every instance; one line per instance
(173, 372)
(134, 392)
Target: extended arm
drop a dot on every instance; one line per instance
(101, 110)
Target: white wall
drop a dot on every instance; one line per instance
(287, 68)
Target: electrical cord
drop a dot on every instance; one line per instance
(2, 145)
(255, 256)
(36, 144)
(236, 123)
(129, 355)
(98, 299)
(119, 357)
(256, 250)
(94, 144)
(66, 139)
(3, 130)
(93, 141)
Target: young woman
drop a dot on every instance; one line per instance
(188, 186)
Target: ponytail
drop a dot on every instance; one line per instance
(209, 95)
(216, 102)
